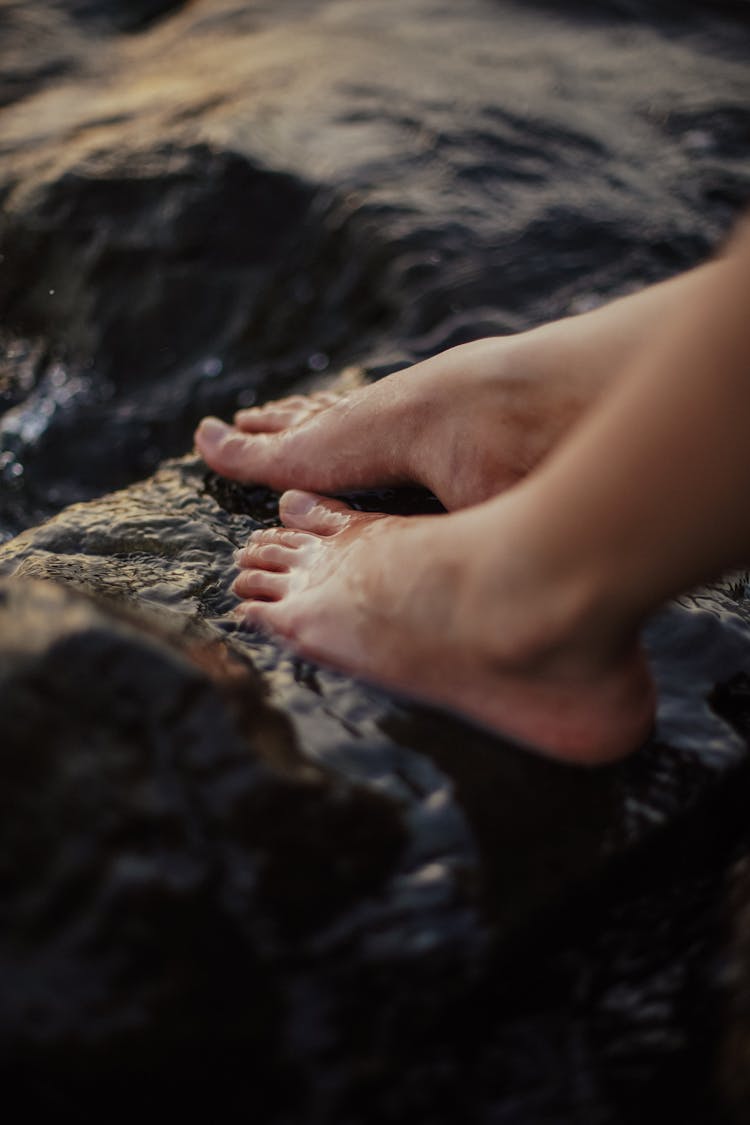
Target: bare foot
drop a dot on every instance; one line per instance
(442, 609)
(466, 424)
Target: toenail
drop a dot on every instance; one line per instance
(213, 429)
(298, 503)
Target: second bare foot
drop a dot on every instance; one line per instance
(465, 424)
(440, 609)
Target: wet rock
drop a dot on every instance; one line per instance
(171, 859)
(735, 994)
(389, 906)
(171, 867)
(733, 984)
(180, 229)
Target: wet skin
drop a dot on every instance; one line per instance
(466, 424)
(428, 606)
(521, 608)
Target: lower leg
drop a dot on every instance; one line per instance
(651, 488)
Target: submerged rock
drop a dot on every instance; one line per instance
(166, 857)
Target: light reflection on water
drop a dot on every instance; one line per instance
(22, 426)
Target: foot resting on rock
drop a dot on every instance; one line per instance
(438, 608)
(463, 424)
(466, 424)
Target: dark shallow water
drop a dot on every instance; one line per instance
(208, 204)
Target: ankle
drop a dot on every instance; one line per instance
(541, 612)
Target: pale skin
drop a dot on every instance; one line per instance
(591, 468)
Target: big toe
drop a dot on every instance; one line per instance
(320, 514)
(232, 453)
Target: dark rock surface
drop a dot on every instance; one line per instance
(233, 881)
(384, 907)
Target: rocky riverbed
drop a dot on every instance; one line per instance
(232, 880)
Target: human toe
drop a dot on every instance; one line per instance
(284, 536)
(284, 412)
(266, 419)
(231, 453)
(267, 616)
(258, 583)
(307, 511)
(211, 432)
(213, 440)
(269, 556)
